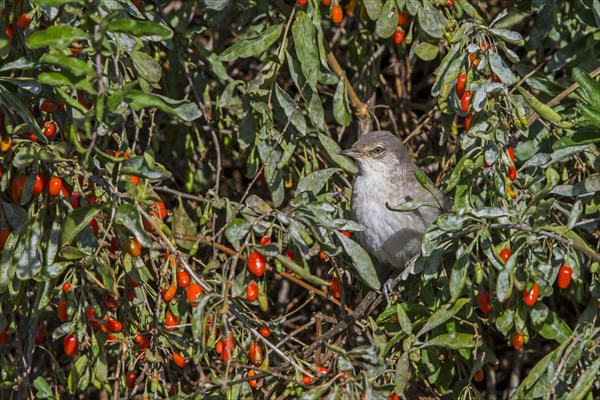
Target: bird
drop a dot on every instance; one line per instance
(385, 180)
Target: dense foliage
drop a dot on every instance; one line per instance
(174, 215)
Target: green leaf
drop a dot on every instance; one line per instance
(304, 34)
(508, 36)
(77, 220)
(341, 110)
(290, 109)
(442, 315)
(101, 368)
(430, 22)
(252, 47)
(362, 262)
(237, 230)
(403, 320)
(140, 28)
(500, 68)
(458, 275)
(30, 262)
(373, 8)
(576, 139)
(402, 373)
(548, 324)
(585, 382)
(76, 66)
(139, 166)
(15, 214)
(59, 36)
(129, 216)
(29, 84)
(43, 389)
(388, 20)
(297, 269)
(183, 225)
(77, 373)
(184, 110)
(425, 51)
(23, 112)
(544, 160)
(453, 341)
(66, 78)
(333, 149)
(146, 66)
(315, 181)
(537, 373)
(590, 87)
(411, 205)
(56, 2)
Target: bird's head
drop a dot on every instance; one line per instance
(378, 151)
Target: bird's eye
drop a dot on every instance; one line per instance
(378, 150)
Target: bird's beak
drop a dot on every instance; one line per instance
(351, 152)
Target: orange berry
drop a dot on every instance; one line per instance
(193, 292)
(337, 14)
(169, 293)
(183, 278)
(179, 360)
(54, 186)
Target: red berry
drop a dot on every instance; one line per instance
(70, 345)
(38, 187)
(48, 106)
(302, 3)
(511, 154)
(265, 331)
(265, 240)
(114, 325)
(49, 129)
(252, 291)
(465, 101)
(23, 21)
(326, 3)
(130, 379)
(449, 3)
(256, 264)
(402, 18)
(505, 254)
(171, 321)
(61, 309)
(531, 296)
(517, 340)
(306, 380)
(159, 210)
(483, 300)
(54, 186)
(399, 35)
(4, 335)
(91, 314)
(468, 119)
(334, 288)
(66, 287)
(94, 225)
(512, 173)
(564, 276)
(256, 354)
(461, 84)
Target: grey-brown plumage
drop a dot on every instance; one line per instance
(386, 175)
